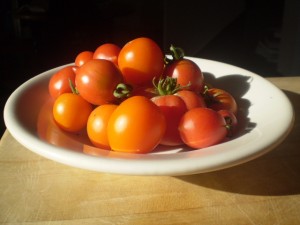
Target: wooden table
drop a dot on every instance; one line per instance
(35, 190)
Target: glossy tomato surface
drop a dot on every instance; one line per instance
(140, 60)
(136, 126)
(202, 127)
(71, 112)
(191, 99)
(187, 73)
(60, 82)
(96, 81)
(108, 51)
(97, 125)
(83, 57)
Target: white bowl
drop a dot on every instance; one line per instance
(265, 115)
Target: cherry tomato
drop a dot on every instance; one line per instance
(96, 81)
(108, 51)
(140, 60)
(231, 121)
(60, 82)
(202, 127)
(187, 73)
(97, 125)
(191, 99)
(218, 99)
(146, 91)
(71, 112)
(136, 126)
(173, 107)
(83, 57)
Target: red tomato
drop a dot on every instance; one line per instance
(96, 81)
(173, 107)
(231, 121)
(140, 60)
(97, 125)
(108, 51)
(187, 73)
(71, 112)
(83, 57)
(60, 81)
(136, 126)
(191, 99)
(219, 99)
(202, 127)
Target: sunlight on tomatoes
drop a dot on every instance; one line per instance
(186, 72)
(136, 126)
(202, 127)
(173, 107)
(97, 125)
(96, 81)
(60, 82)
(71, 112)
(191, 99)
(108, 51)
(140, 60)
(83, 57)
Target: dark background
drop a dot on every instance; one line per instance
(39, 35)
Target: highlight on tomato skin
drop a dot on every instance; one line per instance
(97, 125)
(137, 125)
(71, 112)
(83, 57)
(60, 82)
(140, 60)
(202, 127)
(108, 51)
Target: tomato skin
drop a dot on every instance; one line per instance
(140, 60)
(97, 125)
(187, 73)
(191, 99)
(71, 112)
(219, 99)
(108, 51)
(59, 82)
(137, 126)
(202, 127)
(96, 81)
(173, 107)
(83, 57)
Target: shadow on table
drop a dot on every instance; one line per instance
(276, 173)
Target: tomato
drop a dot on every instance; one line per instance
(96, 81)
(202, 127)
(187, 73)
(173, 107)
(140, 60)
(97, 125)
(108, 51)
(146, 91)
(219, 99)
(231, 121)
(71, 112)
(191, 99)
(60, 82)
(83, 57)
(137, 126)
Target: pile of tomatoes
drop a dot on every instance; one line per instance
(132, 99)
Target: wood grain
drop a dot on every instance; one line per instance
(35, 190)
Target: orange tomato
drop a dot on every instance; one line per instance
(97, 125)
(140, 60)
(71, 112)
(136, 126)
(108, 51)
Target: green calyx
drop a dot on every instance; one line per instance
(167, 86)
(122, 91)
(177, 53)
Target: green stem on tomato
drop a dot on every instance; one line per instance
(73, 88)
(167, 86)
(122, 91)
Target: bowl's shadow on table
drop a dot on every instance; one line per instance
(274, 174)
